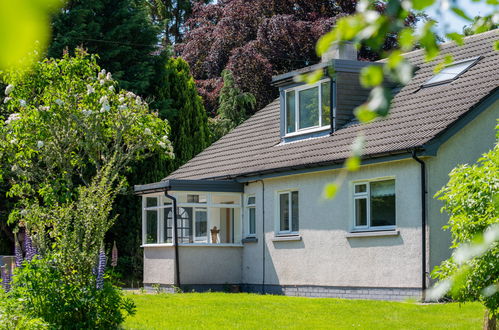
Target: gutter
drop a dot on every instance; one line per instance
(175, 231)
(423, 222)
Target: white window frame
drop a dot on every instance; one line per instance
(160, 223)
(248, 217)
(367, 195)
(195, 237)
(205, 206)
(297, 90)
(278, 230)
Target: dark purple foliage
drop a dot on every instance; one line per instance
(257, 39)
(101, 269)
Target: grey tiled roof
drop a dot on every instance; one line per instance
(417, 116)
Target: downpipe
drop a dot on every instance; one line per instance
(175, 234)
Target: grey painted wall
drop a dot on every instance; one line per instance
(476, 138)
(324, 255)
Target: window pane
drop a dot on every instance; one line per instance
(326, 103)
(151, 201)
(360, 188)
(290, 112)
(168, 225)
(251, 200)
(151, 227)
(360, 212)
(201, 223)
(252, 220)
(294, 211)
(309, 107)
(284, 212)
(383, 203)
(184, 222)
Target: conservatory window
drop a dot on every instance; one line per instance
(207, 218)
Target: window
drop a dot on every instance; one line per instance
(374, 205)
(451, 72)
(288, 212)
(251, 216)
(205, 217)
(308, 107)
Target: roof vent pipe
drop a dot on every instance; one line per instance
(345, 51)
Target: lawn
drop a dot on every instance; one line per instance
(251, 311)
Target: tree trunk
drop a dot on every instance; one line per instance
(489, 322)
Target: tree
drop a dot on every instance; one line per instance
(256, 40)
(120, 31)
(177, 101)
(69, 139)
(471, 199)
(235, 107)
(171, 16)
(479, 25)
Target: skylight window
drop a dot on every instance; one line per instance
(451, 72)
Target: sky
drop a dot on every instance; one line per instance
(450, 22)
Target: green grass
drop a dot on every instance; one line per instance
(251, 311)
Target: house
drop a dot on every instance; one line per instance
(250, 212)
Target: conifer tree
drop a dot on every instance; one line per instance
(178, 101)
(120, 31)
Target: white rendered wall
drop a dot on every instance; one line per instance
(325, 256)
(476, 138)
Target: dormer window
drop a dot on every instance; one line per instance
(308, 107)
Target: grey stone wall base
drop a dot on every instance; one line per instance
(231, 288)
(374, 293)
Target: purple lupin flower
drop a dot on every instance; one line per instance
(31, 250)
(18, 253)
(5, 278)
(101, 269)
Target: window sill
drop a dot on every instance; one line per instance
(306, 131)
(377, 233)
(249, 240)
(192, 245)
(286, 238)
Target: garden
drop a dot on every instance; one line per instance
(251, 311)
(89, 110)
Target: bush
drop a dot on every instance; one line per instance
(48, 294)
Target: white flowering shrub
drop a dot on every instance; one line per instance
(65, 147)
(67, 120)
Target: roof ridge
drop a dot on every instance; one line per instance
(466, 38)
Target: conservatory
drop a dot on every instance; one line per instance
(208, 240)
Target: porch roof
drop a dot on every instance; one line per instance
(189, 185)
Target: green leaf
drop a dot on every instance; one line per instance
(406, 39)
(422, 4)
(461, 13)
(353, 163)
(24, 30)
(314, 77)
(456, 37)
(364, 114)
(330, 190)
(371, 76)
(496, 45)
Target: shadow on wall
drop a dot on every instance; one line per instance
(363, 242)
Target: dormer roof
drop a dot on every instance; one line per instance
(419, 118)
